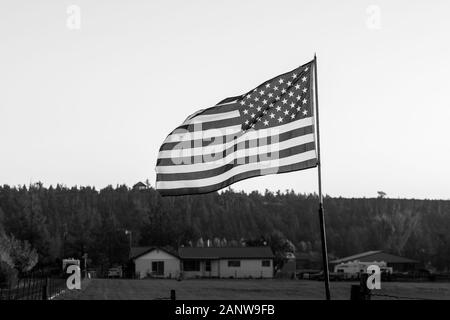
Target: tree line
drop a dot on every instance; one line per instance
(47, 224)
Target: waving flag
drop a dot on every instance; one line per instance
(267, 130)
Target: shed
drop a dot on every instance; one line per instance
(398, 263)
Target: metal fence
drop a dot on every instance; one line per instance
(34, 288)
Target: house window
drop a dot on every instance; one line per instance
(158, 267)
(265, 263)
(208, 265)
(191, 265)
(234, 263)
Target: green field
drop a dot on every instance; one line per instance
(216, 289)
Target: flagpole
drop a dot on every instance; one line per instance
(321, 211)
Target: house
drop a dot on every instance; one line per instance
(227, 262)
(139, 186)
(378, 257)
(209, 262)
(155, 262)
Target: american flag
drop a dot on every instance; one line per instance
(267, 130)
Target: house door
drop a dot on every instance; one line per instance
(158, 268)
(208, 268)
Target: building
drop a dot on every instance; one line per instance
(203, 262)
(155, 262)
(353, 269)
(139, 186)
(378, 257)
(227, 262)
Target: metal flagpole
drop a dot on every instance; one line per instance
(321, 213)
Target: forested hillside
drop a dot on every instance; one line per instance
(62, 222)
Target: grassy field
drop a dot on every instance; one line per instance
(216, 289)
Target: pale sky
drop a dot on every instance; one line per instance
(91, 106)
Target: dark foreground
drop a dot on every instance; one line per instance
(228, 289)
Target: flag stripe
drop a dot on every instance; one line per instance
(231, 157)
(191, 149)
(213, 117)
(242, 176)
(241, 161)
(228, 100)
(219, 140)
(182, 135)
(220, 108)
(258, 166)
(199, 142)
(228, 111)
(235, 130)
(195, 127)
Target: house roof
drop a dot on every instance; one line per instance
(225, 252)
(376, 255)
(139, 185)
(136, 252)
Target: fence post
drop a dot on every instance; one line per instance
(28, 288)
(32, 285)
(45, 290)
(361, 291)
(23, 289)
(172, 295)
(365, 291)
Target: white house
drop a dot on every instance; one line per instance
(155, 262)
(225, 262)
